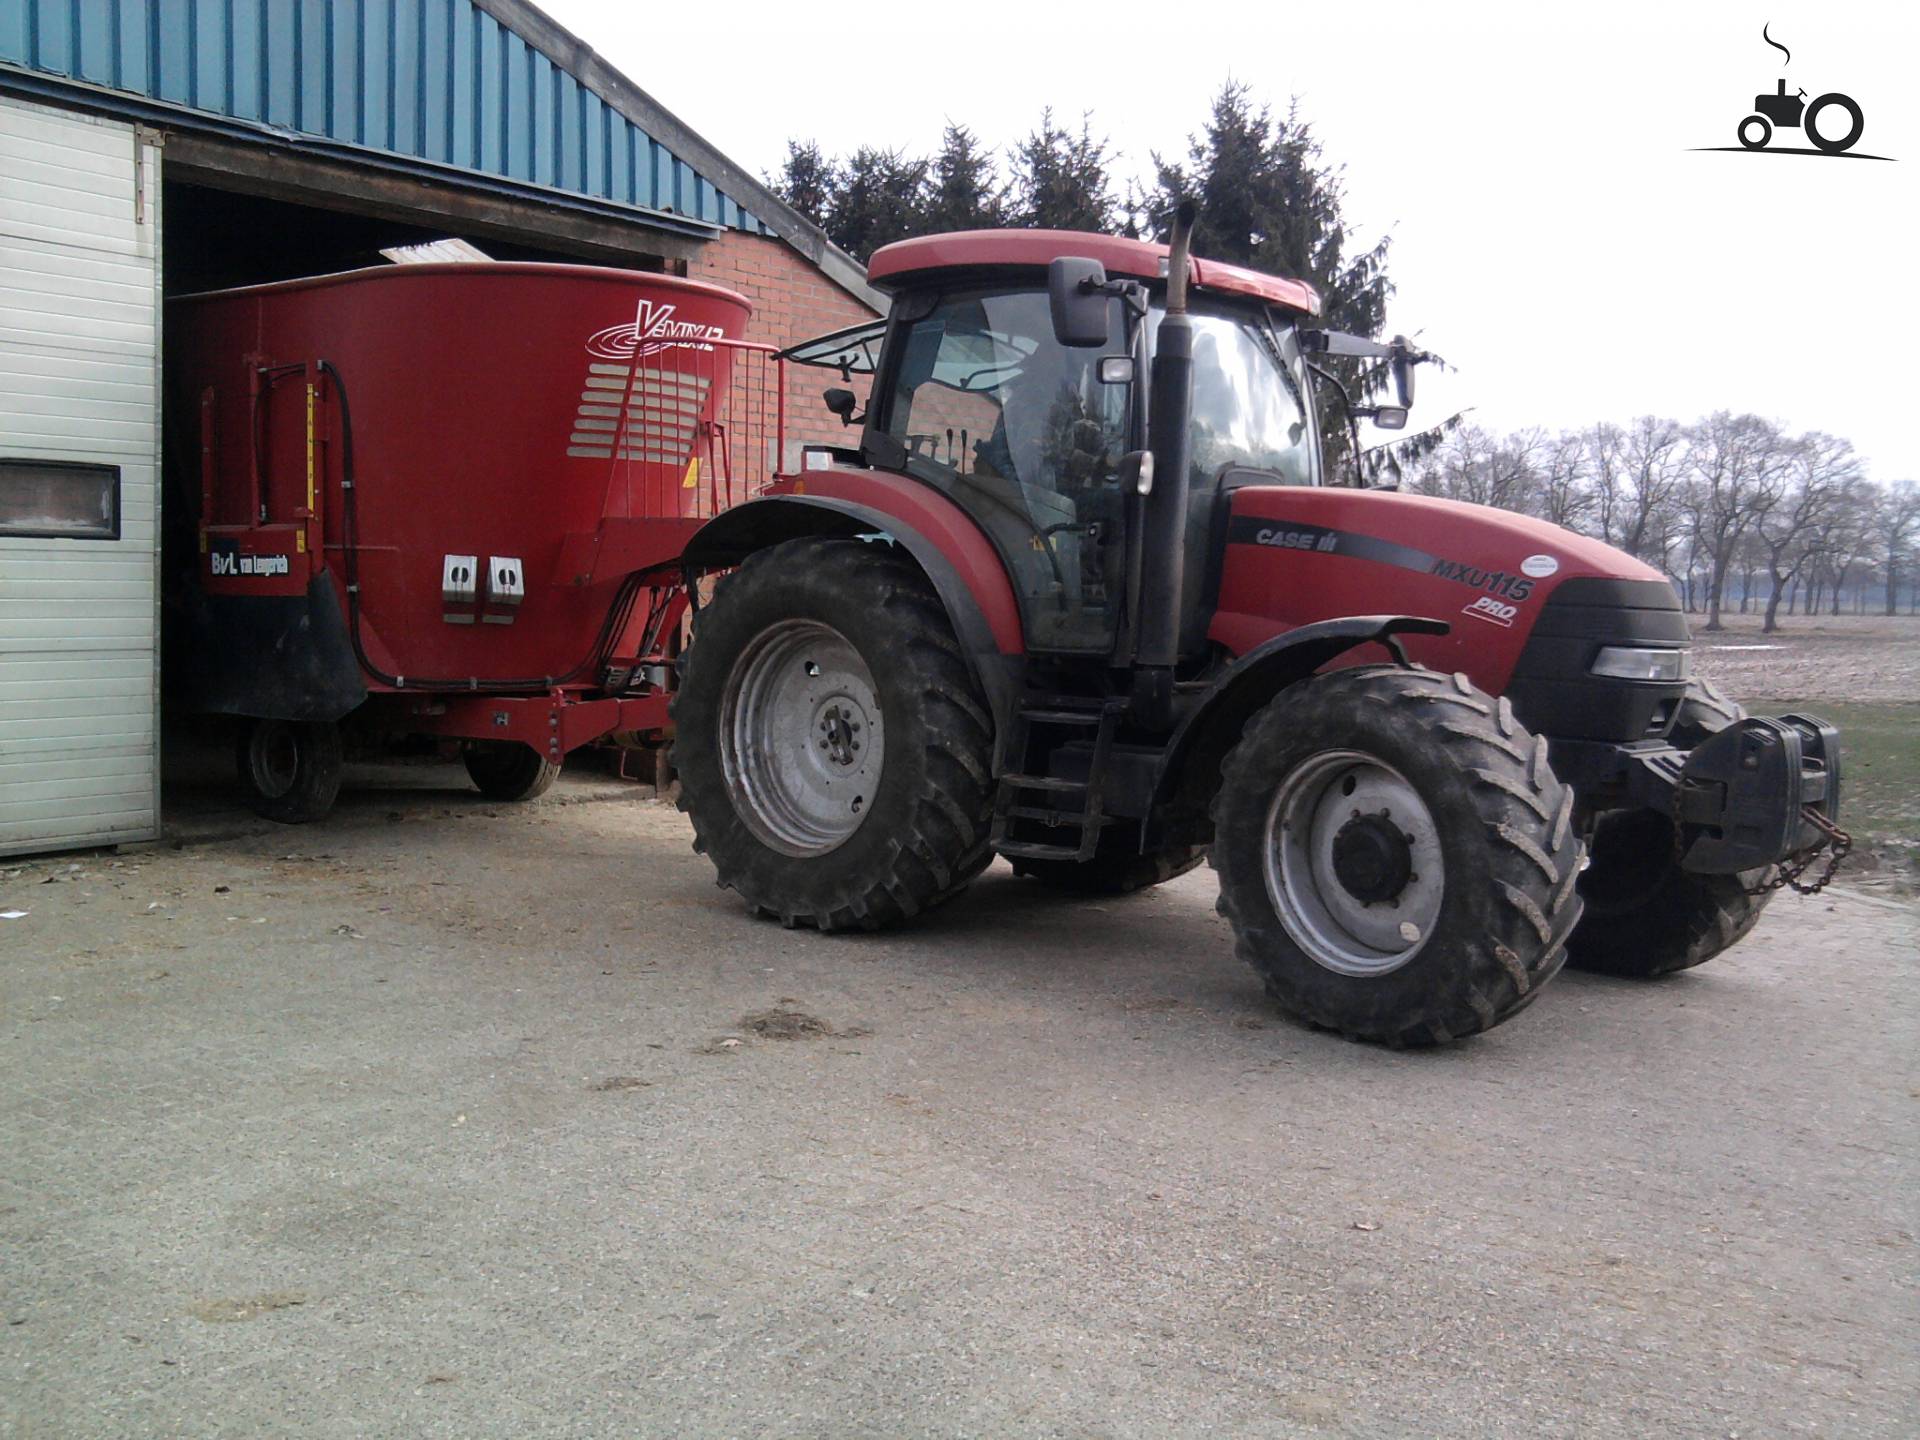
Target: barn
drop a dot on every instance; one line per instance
(150, 150)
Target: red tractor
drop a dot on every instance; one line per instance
(1083, 595)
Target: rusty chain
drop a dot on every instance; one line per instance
(1835, 841)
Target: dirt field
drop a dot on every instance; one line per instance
(450, 1119)
(1847, 657)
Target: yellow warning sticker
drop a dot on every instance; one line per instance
(693, 474)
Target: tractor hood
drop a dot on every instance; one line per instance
(1293, 555)
(1487, 534)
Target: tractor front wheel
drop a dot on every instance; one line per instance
(835, 752)
(1396, 856)
(1645, 915)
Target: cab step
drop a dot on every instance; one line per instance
(1014, 801)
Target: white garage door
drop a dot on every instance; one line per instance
(79, 480)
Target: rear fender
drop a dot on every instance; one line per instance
(965, 571)
(1191, 771)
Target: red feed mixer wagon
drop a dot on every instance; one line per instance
(447, 501)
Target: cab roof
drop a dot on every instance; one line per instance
(893, 266)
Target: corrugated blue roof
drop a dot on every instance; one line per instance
(444, 82)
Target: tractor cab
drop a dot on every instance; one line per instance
(1043, 437)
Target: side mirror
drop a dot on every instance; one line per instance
(1401, 363)
(1076, 294)
(841, 403)
(1388, 417)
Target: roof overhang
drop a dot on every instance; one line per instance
(228, 154)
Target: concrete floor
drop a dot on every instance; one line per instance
(445, 1118)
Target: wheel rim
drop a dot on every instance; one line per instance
(1353, 863)
(273, 759)
(802, 740)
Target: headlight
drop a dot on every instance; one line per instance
(1625, 662)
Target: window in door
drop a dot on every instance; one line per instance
(1025, 436)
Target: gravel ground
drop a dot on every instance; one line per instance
(444, 1119)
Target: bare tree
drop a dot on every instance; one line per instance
(1818, 474)
(1606, 445)
(1738, 466)
(1852, 537)
(1898, 521)
(1475, 465)
(1748, 557)
(1655, 460)
(1566, 494)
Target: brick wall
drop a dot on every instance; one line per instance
(792, 301)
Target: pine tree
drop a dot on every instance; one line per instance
(964, 192)
(808, 180)
(1063, 181)
(1269, 200)
(881, 198)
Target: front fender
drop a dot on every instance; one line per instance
(1191, 771)
(968, 577)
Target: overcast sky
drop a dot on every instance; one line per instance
(1554, 235)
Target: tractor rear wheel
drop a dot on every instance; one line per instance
(1115, 869)
(1396, 856)
(509, 770)
(289, 769)
(835, 752)
(1645, 915)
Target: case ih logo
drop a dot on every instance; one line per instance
(1323, 540)
(651, 330)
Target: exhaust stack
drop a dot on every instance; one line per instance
(1164, 515)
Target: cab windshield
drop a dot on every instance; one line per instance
(1248, 410)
